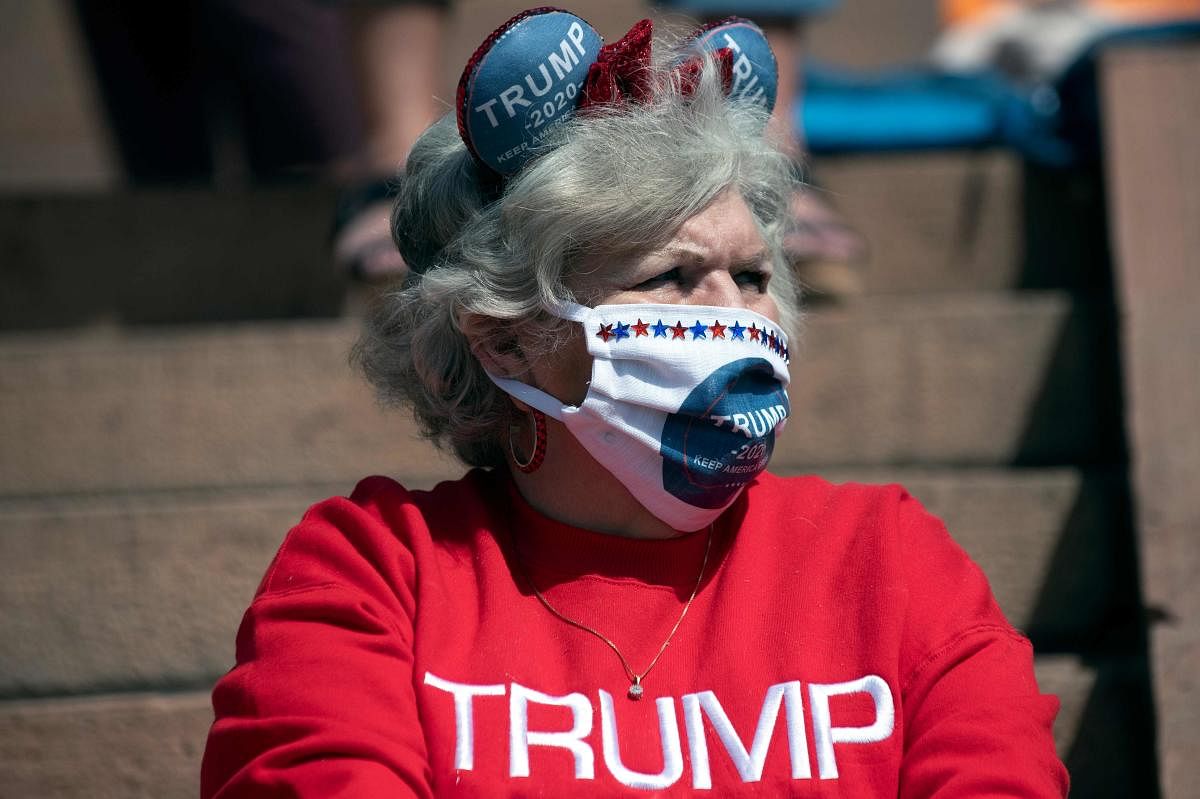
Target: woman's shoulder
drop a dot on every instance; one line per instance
(814, 494)
(882, 519)
(381, 527)
(880, 535)
(384, 497)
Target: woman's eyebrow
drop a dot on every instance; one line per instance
(684, 253)
(753, 261)
(696, 257)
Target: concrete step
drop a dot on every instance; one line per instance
(958, 379)
(130, 746)
(1055, 544)
(973, 379)
(262, 404)
(968, 221)
(145, 591)
(166, 255)
(1105, 728)
(953, 221)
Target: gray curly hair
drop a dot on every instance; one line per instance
(616, 183)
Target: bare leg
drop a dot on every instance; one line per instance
(402, 60)
(401, 47)
(817, 233)
(786, 39)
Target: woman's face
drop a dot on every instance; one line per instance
(717, 258)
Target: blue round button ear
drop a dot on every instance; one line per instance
(755, 73)
(522, 81)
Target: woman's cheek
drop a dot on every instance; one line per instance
(566, 372)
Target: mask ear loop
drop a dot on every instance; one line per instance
(539, 444)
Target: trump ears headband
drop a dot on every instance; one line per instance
(545, 64)
(755, 75)
(521, 81)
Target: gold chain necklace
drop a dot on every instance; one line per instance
(635, 679)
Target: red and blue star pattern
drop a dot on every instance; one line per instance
(616, 332)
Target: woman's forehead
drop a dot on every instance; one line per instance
(724, 230)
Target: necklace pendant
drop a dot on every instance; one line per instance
(635, 691)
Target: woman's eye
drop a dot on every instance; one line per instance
(669, 276)
(754, 278)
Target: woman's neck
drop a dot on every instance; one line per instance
(573, 488)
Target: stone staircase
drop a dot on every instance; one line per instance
(148, 473)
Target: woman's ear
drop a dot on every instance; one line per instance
(495, 344)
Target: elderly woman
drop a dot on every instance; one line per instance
(618, 598)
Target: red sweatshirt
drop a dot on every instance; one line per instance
(840, 645)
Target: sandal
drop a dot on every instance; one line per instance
(363, 249)
(825, 251)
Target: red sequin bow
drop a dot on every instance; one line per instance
(622, 73)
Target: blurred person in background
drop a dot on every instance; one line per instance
(599, 319)
(1035, 40)
(220, 91)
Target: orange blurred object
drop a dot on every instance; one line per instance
(957, 12)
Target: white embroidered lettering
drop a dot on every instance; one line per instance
(545, 75)
(511, 97)
(520, 738)
(568, 59)
(825, 735)
(741, 71)
(464, 716)
(749, 764)
(668, 731)
(575, 34)
(741, 424)
(487, 109)
(749, 85)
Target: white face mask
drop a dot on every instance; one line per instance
(683, 405)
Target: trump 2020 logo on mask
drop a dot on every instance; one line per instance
(723, 434)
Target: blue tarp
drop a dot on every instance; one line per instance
(1054, 123)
